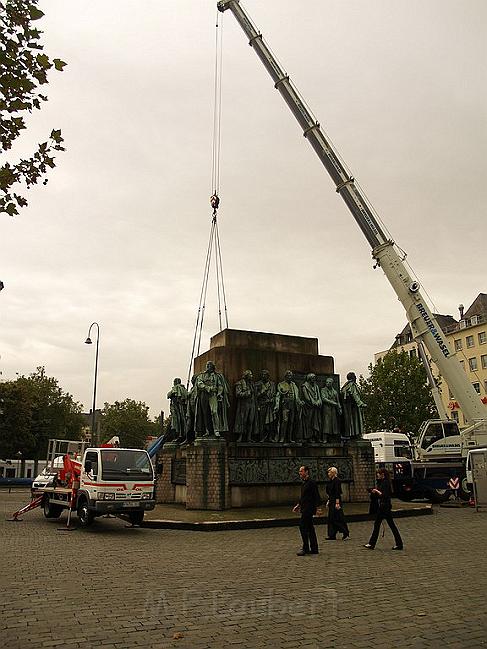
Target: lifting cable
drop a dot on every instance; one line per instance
(214, 239)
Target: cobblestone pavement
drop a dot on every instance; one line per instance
(118, 588)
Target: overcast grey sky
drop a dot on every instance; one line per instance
(119, 234)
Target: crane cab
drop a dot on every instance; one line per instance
(439, 439)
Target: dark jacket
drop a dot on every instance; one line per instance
(334, 491)
(310, 497)
(385, 487)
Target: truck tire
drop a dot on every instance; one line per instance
(438, 495)
(136, 518)
(85, 515)
(51, 510)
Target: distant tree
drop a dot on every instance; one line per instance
(23, 69)
(397, 394)
(34, 409)
(15, 421)
(129, 420)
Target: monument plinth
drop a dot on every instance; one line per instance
(253, 435)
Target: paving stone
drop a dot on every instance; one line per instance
(109, 587)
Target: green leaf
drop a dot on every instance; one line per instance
(56, 136)
(43, 61)
(58, 64)
(35, 13)
(11, 209)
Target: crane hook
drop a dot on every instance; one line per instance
(214, 202)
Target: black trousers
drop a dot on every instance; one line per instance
(308, 533)
(385, 516)
(336, 522)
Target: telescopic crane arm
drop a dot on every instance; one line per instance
(424, 326)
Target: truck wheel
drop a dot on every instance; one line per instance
(85, 515)
(51, 510)
(438, 495)
(136, 518)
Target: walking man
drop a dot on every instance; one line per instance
(307, 506)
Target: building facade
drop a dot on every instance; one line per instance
(467, 336)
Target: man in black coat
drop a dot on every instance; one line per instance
(308, 504)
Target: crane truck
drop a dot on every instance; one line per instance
(388, 256)
(95, 481)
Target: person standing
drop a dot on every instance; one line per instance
(308, 504)
(336, 517)
(384, 491)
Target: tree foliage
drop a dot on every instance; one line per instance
(23, 69)
(397, 394)
(129, 420)
(34, 409)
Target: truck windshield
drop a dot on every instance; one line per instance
(121, 464)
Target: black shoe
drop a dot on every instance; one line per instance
(314, 552)
(368, 546)
(398, 547)
(345, 537)
(301, 553)
(330, 538)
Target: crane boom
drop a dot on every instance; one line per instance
(423, 324)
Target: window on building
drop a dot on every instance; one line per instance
(472, 363)
(476, 387)
(483, 361)
(412, 353)
(450, 394)
(482, 338)
(29, 473)
(469, 341)
(458, 344)
(454, 416)
(10, 473)
(1, 471)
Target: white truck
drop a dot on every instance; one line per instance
(105, 480)
(411, 478)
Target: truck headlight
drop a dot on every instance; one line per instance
(146, 496)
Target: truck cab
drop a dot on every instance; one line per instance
(390, 446)
(393, 451)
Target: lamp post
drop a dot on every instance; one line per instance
(89, 342)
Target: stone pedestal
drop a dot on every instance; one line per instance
(217, 474)
(207, 484)
(233, 351)
(166, 488)
(363, 463)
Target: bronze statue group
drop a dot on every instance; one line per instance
(265, 412)
(310, 500)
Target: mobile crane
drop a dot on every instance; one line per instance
(424, 326)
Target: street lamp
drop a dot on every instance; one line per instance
(88, 342)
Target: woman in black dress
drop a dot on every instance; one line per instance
(336, 517)
(384, 491)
